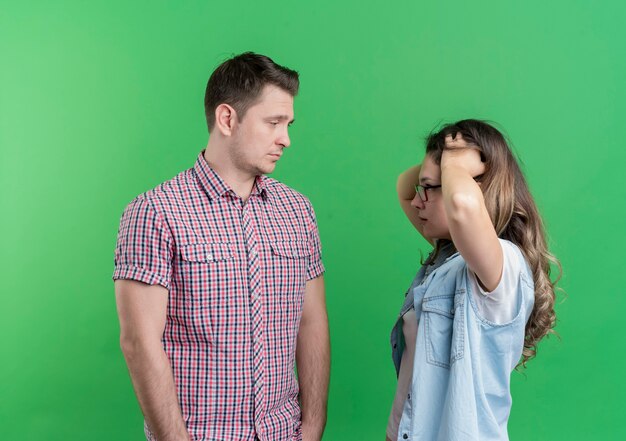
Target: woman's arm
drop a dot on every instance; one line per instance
(470, 226)
(406, 192)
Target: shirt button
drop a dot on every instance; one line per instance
(405, 436)
(395, 345)
(409, 396)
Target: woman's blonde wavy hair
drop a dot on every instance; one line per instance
(514, 215)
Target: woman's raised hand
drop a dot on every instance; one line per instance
(460, 153)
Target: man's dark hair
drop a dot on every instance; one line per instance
(239, 82)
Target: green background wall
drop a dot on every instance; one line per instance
(100, 101)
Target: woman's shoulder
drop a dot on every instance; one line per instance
(514, 259)
(514, 262)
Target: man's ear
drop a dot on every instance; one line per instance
(225, 119)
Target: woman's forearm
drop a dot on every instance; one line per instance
(407, 180)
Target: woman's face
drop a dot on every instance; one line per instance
(431, 211)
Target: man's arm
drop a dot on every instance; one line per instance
(142, 310)
(313, 360)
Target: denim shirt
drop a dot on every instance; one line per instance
(460, 387)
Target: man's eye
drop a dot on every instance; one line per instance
(274, 123)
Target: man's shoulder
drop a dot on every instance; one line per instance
(169, 193)
(284, 193)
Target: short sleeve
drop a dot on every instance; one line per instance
(316, 267)
(144, 245)
(502, 304)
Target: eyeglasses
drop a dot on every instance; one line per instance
(423, 190)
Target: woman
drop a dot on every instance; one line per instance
(482, 301)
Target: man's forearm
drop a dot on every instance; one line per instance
(313, 361)
(153, 381)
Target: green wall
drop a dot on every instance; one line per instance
(100, 101)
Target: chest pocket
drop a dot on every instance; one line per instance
(444, 324)
(294, 249)
(290, 257)
(288, 263)
(204, 267)
(205, 252)
(206, 291)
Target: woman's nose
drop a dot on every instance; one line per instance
(417, 202)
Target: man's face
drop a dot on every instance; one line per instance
(260, 137)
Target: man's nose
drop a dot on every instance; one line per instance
(284, 140)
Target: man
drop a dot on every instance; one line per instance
(219, 279)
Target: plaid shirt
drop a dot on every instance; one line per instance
(236, 275)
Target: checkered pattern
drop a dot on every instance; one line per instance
(236, 276)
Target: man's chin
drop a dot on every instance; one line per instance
(267, 169)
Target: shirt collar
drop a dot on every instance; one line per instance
(260, 186)
(214, 185)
